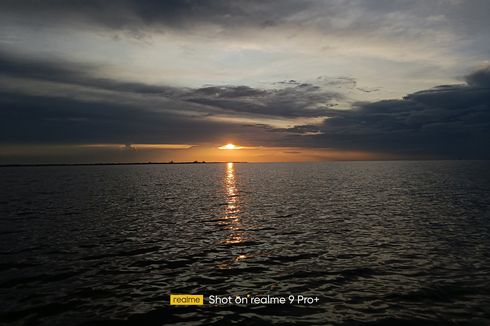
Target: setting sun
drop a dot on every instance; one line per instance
(230, 146)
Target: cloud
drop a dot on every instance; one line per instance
(285, 101)
(450, 121)
(345, 16)
(48, 119)
(479, 78)
(417, 44)
(60, 102)
(72, 73)
(302, 100)
(300, 129)
(70, 103)
(136, 15)
(397, 21)
(129, 147)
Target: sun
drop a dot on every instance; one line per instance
(230, 146)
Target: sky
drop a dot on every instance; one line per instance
(139, 80)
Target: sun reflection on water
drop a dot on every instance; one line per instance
(232, 219)
(232, 209)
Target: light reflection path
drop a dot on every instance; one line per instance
(232, 219)
(232, 209)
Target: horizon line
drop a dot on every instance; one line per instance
(216, 162)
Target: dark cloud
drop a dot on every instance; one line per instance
(479, 78)
(31, 119)
(394, 18)
(73, 74)
(229, 92)
(297, 100)
(443, 122)
(138, 14)
(300, 129)
(81, 117)
(449, 121)
(367, 90)
(289, 101)
(127, 112)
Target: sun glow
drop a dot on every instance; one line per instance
(230, 146)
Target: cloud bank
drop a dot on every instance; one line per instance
(61, 103)
(307, 74)
(449, 121)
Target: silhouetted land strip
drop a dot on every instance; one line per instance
(130, 163)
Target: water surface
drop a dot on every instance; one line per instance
(377, 242)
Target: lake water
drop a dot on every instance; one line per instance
(377, 242)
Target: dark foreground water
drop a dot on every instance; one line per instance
(391, 243)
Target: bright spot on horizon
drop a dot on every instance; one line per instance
(230, 146)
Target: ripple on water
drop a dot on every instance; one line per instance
(380, 243)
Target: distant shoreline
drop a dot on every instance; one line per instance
(95, 164)
(224, 162)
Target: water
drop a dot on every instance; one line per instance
(377, 242)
